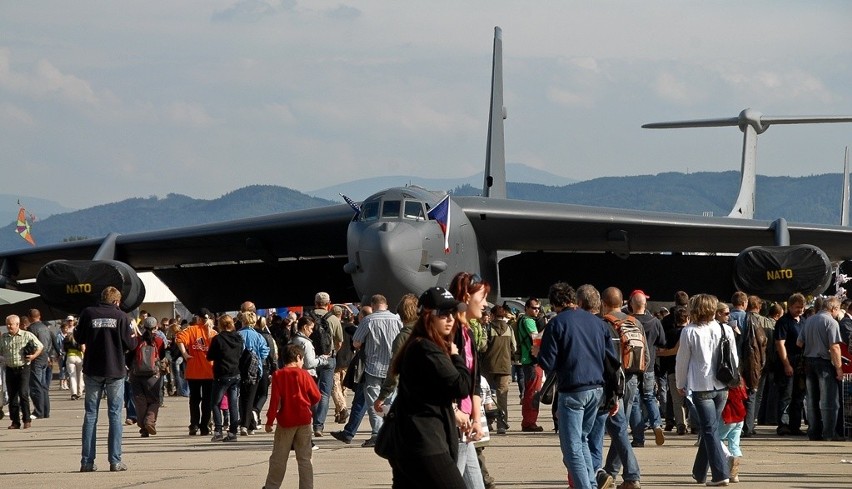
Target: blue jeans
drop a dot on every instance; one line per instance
(231, 387)
(708, 409)
(372, 387)
(181, 385)
(357, 410)
(39, 390)
(823, 398)
(95, 388)
(468, 466)
(620, 451)
(577, 413)
(128, 400)
(325, 381)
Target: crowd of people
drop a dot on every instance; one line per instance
(433, 376)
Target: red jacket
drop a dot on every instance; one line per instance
(294, 391)
(734, 411)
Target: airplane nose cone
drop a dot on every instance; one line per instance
(390, 260)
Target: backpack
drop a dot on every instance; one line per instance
(249, 367)
(321, 337)
(634, 347)
(146, 360)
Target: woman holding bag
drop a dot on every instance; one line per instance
(421, 423)
(697, 360)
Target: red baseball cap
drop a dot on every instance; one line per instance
(640, 291)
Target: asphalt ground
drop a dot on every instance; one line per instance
(48, 455)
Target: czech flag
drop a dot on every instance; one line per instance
(441, 214)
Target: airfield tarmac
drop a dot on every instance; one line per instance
(48, 455)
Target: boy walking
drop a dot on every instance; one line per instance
(294, 392)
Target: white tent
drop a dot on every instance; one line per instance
(159, 300)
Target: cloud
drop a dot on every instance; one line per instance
(570, 98)
(46, 80)
(672, 89)
(343, 12)
(14, 116)
(249, 11)
(186, 114)
(780, 86)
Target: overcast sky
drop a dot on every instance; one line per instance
(103, 100)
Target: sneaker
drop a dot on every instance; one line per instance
(217, 436)
(117, 467)
(637, 444)
(313, 446)
(723, 482)
(629, 485)
(603, 479)
(532, 429)
(129, 421)
(89, 468)
(734, 468)
(230, 437)
(243, 431)
(318, 433)
(193, 431)
(782, 430)
(371, 442)
(250, 432)
(659, 436)
(33, 417)
(152, 430)
(341, 436)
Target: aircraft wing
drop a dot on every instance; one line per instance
(536, 226)
(537, 244)
(262, 258)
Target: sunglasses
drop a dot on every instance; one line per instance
(535, 308)
(475, 279)
(443, 313)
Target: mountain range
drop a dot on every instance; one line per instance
(810, 199)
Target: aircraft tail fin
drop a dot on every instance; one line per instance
(751, 123)
(844, 204)
(495, 153)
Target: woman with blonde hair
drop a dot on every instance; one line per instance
(695, 371)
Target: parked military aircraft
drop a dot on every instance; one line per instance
(392, 246)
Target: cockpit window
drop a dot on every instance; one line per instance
(390, 208)
(369, 211)
(414, 210)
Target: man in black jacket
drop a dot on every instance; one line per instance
(41, 370)
(106, 332)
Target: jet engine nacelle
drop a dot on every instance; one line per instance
(775, 272)
(72, 285)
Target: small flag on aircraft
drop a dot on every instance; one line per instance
(441, 213)
(354, 205)
(23, 225)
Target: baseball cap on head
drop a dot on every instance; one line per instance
(639, 291)
(440, 299)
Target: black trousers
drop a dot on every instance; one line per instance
(18, 387)
(247, 393)
(426, 472)
(200, 402)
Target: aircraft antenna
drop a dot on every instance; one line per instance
(844, 204)
(495, 153)
(751, 123)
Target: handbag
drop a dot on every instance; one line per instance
(388, 441)
(355, 370)
(548, 390)
(726, 372)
